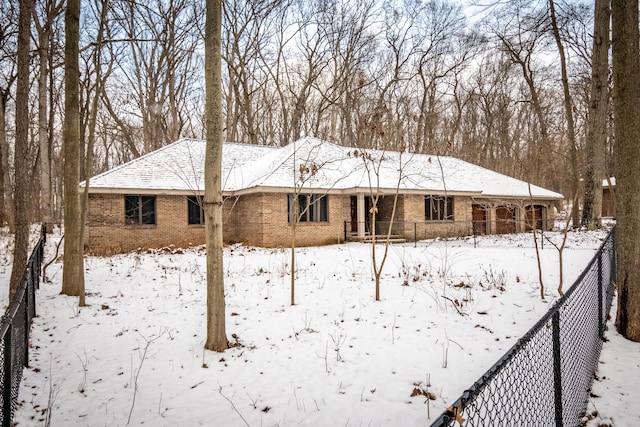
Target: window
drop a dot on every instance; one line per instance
(438, 208)
(195, 212)
(311, 207)
(139, 210)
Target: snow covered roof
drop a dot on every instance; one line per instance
(177, 167)
(312, 164)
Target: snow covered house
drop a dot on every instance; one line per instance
(154, 200)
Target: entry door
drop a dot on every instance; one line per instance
(505, 220)
(479, 218)
(535, 217)
(368, 203)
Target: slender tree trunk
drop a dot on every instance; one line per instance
(21, 156)
(7, 188)
(4, 211)
(293, 253)
(626, 96)
(216, 331)
(55, 209)
(568, 110)
(46, 213)
(93, 111)
(597, 127)
(3, 142)
(73, 262)
(374, 261)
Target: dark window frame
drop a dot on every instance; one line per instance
(195, 210)
(311, 208)
(139, 209)
(438, 208)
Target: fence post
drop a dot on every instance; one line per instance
(27, 331)
(614, 254)
(601, 318)
(557, 367)
(415, 235)
(7, 386)
(345, 231)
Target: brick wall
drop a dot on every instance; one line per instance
(262, 220)
(414, 212)
(107, 232)
(257, 219)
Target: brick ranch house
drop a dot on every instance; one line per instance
(153, 201)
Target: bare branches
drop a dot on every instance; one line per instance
(143, 357)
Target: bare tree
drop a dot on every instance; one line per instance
(626, 101)
(8, 48)
(347, 28)
(373, 167)
(73, 262)
(158, 67)
(21, 155)
(216, 330)
(568, 110)
(45, 29)
(309, 206)
(520, 31)
(93, 84)
(598, 116)
(244, 25)
(441, 52)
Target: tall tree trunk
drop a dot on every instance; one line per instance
(216, 330)
(626, 96)
(46, 212)
(598, 107)
(21, 155)
(568, 110)
(93, 111)
(73, 263)
(6, 187)
(3, 142)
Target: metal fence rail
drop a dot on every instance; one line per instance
(544, 379)
(15, 326)
(421, 230)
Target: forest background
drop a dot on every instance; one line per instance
(482, 82)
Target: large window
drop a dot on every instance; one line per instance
(438, 208)
(195, 212)
(139, 210)
(310, 208)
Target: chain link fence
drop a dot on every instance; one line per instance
(544, 379)
(15, 326)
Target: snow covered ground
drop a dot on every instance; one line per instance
(337, 358)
